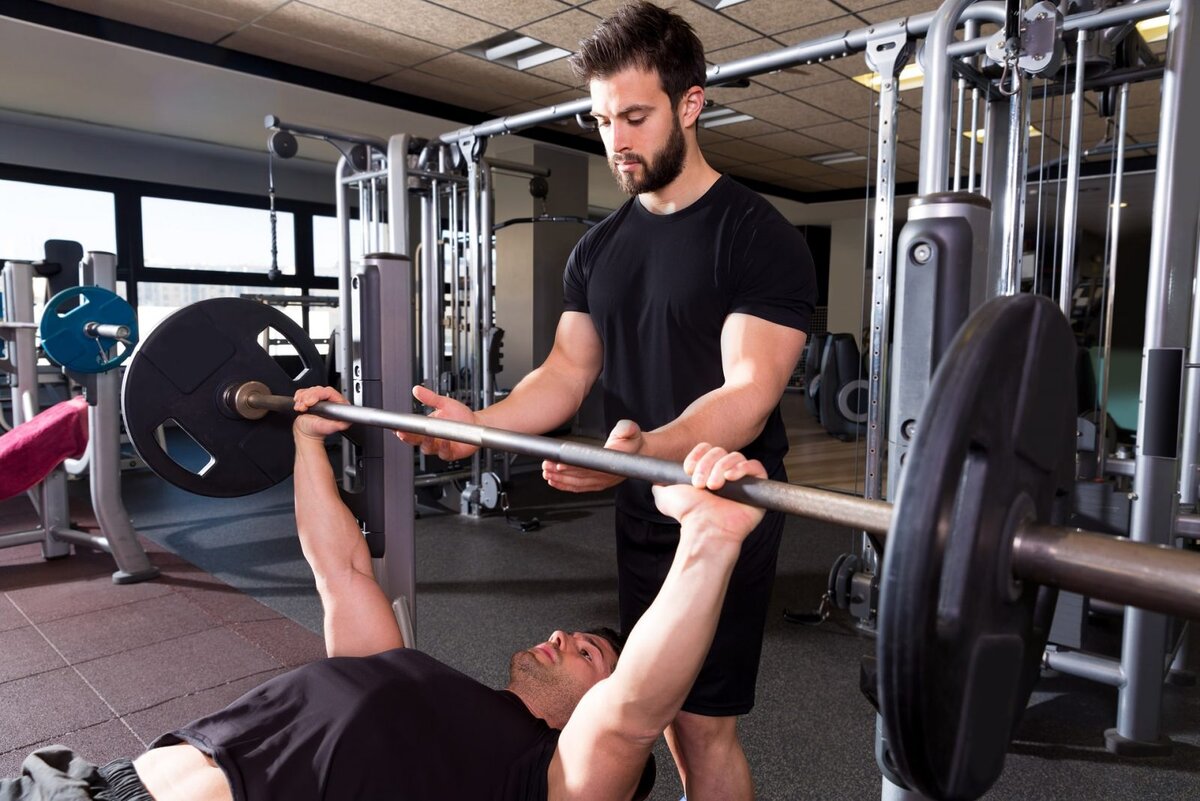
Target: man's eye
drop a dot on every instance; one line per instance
(586, 654)
(636, 121)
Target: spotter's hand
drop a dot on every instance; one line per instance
(443, 409)
(625, 436)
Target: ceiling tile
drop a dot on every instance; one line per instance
(908, 156)
(819, 30)
(758, 173)
(796, 167)
(755, 47)
(791, 143)
(842, 136)
(797, 77)
(908, 127)
(784, 111)
(244, 10)
(476, 71)
(564, 30)
(771, 16)
(178, 20)
(317, 25)
(565, 96)
(845, 180)
(715, 31)
(558, 71)
(510, 14)
(724, 95)
(722, 163)
(280, 47)
(436, 87)
(415, 18)
(1147, 93)
(842, 97)
(805, 185)
(513, 108)
(904, 8)
(742, 130)
(744, 151)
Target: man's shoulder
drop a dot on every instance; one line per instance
(739, 195)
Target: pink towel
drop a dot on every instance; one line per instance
(31, 450)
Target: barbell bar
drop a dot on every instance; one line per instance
(1118, 570)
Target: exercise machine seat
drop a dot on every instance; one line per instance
(31, 450)
(814, 352)
(843, 396)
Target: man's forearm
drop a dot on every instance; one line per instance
(729, 416)
(329, 534)
(664, 652)
(542, 401)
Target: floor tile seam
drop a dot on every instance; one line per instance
(82, 678)
(62, 735)
(172, 638)
(197, 691)
(236, 629)
(89, 611)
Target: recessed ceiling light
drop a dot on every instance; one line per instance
(911, 77)
(516, 50)
(1154, 29)
(841, 157)
(980, 134)
(717, 116)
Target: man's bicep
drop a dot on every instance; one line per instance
(756, 349)
(596, 758)
(577, 345)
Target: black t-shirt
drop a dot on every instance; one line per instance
(658, 288)
(397, 726)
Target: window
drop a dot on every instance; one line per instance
(157, 300)
(326, 254)
(32, 213)
(186, 235)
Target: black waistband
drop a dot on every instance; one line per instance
(122, 783)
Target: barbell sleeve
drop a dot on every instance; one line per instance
(107, 331)
(1116, 569)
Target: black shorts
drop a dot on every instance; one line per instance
(645, 550)
(57, 771)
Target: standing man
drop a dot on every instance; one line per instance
(691, 304)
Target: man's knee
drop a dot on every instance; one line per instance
(702, 732)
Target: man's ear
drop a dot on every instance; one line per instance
(690, 106)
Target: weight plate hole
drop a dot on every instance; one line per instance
(183, 449)
(280, 348)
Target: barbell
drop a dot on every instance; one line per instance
(975, 550)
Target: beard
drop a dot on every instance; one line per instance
(663, 168)
(555, 691)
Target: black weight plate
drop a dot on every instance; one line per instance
(959, 640)
(178, 373)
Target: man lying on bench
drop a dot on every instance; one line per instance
(377, 720)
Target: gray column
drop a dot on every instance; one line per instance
(1169, 295)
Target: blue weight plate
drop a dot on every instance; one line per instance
(960, 641)
(178, 374)
(62, 329)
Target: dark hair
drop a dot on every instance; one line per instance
(640, 34)
(614, 639)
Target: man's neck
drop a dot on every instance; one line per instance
(691, 184)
